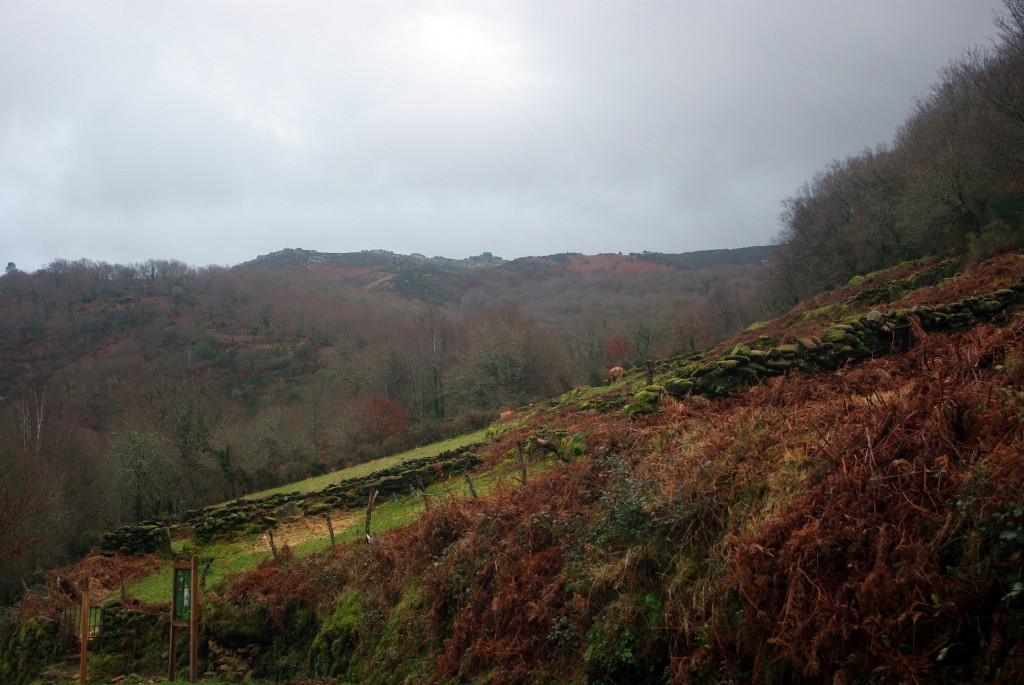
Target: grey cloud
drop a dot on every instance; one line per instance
(214, 131)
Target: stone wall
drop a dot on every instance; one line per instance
(255, 515)
(855, 339)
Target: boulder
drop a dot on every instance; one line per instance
(678, 387)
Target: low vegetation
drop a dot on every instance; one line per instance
(848, 521)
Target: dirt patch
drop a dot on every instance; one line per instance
(306, 528)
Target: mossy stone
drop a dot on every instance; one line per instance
(678, 387)
(788, 351)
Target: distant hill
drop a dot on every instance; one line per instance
(447, 281)
(384, 259)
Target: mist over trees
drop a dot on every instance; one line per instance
(949, 182)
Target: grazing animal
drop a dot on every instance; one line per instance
(614, 374)
(507, 414)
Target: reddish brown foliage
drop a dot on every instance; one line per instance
(380, 419)
(106, 576)
(879, 567)
(618, 350)
(277, 587)
(496, 585)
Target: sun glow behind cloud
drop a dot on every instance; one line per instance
(466, 52)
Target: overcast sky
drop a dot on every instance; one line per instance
(213, 131)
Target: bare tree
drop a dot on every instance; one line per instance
(141, 473)
(508, 358)
(435, 348)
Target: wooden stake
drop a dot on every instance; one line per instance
(369, 512)
(522, 463)
(193, 627)
(84, 658)
(173, 648)
(423, 494)
(330, 528)
(273, 547)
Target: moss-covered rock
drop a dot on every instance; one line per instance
(26, 649)
(132, 640)
(787, 351)
(605, 403)
(147, 538)
(740, 350)
(833, 335)
(678, 387)
(645, 400)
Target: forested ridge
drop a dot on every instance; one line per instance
(948, 182)
(136, 390)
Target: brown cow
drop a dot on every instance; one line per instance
(614, 374)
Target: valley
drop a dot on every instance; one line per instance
(864, 489)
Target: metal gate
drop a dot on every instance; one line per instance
(71, 629)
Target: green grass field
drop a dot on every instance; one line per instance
(321, 482)
(349, 526)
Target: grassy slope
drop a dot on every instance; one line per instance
(245, 553)
(801, 530)
(321, 482)
(858, 525)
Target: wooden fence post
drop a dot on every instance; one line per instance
(522, 462)
(84, 657)
(423, 494)
(330, 528)
(193, 627)
(273, 547)
(369, 512)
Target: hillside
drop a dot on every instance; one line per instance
(834, 495)
(539, 284)
(141, 390)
